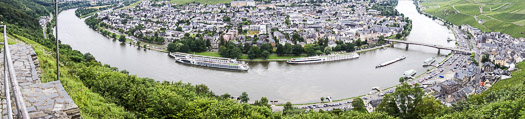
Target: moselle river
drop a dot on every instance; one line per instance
(275, 80)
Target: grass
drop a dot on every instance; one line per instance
(131, 5)
(201, 1)
(90, 103)
(10, 40)
(506, 16)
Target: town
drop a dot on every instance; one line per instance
(250, 23)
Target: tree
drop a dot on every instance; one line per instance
(322, 99)
(350, 47)
(403, 102)
(288, 48)
(358, 42)
(172, 47)
(226, 96)
(297, 49)
(287, 107)
(327, 50)
(88, 57)
(429, 107)
(254, 52)
(358, 105)
(280, 50)
(309, 49)
(265, 54)
(230, 51)
(122, 38)
(267, 47)
(244, 97)
(124, 71)
(402, 79)
(263, 102)
(297, 37)
(398, 36)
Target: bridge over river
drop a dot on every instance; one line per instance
(439, 47)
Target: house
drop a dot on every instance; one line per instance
(488, 67)
(449, 87)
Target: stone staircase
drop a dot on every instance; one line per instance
(42, 100)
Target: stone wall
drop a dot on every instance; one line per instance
(43, 100)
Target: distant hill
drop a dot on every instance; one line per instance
(506, 16)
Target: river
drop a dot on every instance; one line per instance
(274, 80)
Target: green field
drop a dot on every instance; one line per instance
(506, 16)
(201, 1)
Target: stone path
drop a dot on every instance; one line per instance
(42, 100)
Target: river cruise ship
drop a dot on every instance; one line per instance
(323, 58)
(212, 62)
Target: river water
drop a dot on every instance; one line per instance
(275, 80)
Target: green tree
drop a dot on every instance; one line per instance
(267, 47)
(122, 38)
(288, 107)
(254, 52)
(265, 54)
(350, 47)
(327, 50)
(309, 49)
(297, 49)
(263, 102)
(403, 102)
(398, 36)
(280, 50)
(244, 97)
(358, 105)
(226, 96)
(172, 47)
(88, 57)
(288, 48)
(429, 107)
(322, 99)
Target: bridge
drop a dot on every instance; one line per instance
(439, 47)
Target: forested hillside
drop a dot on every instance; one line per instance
(102, 91)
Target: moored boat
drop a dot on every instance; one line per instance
(323, 58)
(212, 62)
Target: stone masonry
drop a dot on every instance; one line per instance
(42, 100)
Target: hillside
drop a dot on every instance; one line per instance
(506, 16)
(504, 100)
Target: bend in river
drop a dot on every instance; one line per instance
(275, 80)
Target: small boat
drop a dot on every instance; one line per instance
(429, 61)
(410, 73)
